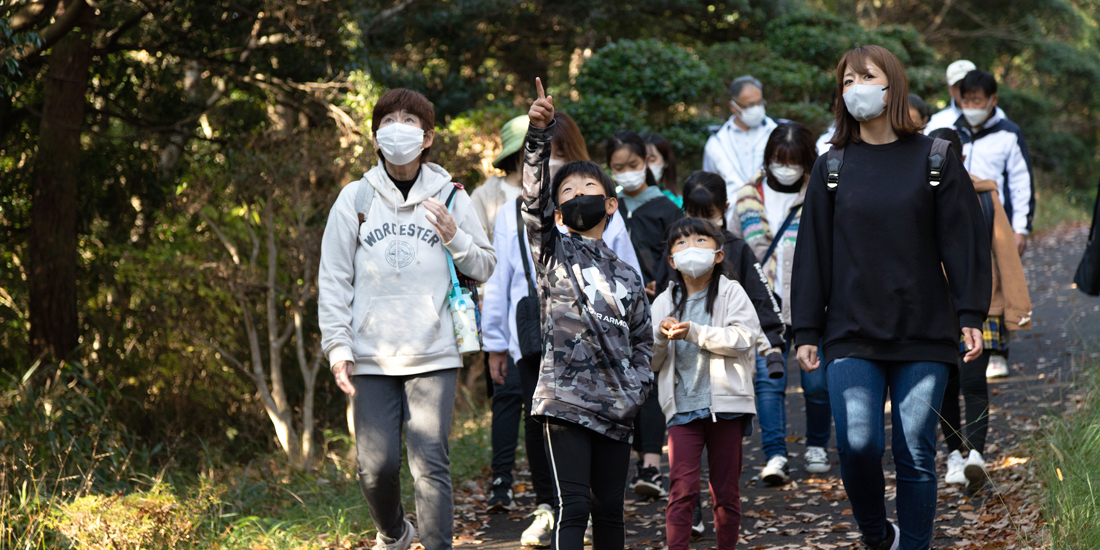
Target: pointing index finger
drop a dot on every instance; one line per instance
(539, 89)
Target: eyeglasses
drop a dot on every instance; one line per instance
(761, 103)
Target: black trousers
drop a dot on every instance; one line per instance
(541, 478)
(589, 477)
(507, 409)
(649, 425)
(969, 378)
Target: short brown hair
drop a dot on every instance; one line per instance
(897, 104)
(401, 99)
(567, 138)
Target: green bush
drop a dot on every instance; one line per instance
(149, 519)
(652, 73)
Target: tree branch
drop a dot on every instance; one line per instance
(56, 31)
(228, 356)
(936, 21)
(221, 236)
(32, 14)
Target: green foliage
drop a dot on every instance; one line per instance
(155, 518)
(599, 116)
(1068, 455)
(650, 72)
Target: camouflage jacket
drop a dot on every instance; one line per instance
(597, 337)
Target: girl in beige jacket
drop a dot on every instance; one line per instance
(703, 353)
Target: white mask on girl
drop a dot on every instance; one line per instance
(631, 181)
(694, 261)
(786, 174)
(865, 101)
(401, 143)
(658, 171)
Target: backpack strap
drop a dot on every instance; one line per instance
(936, 159)
(364, 196)
(833, 162)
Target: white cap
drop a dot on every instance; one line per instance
(957, 70)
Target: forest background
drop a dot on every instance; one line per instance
(166, 169)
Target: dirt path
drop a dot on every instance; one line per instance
(814, 512)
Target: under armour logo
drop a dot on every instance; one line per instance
(595, 284)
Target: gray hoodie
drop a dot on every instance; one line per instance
(383, 285)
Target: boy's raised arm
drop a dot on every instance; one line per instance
(538, 208)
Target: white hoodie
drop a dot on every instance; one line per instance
(383, 301)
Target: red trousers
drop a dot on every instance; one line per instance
(722, 440)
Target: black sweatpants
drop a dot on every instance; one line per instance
(533, 433)
(649, 425)
(508, 407)
(970, 379)
(589, 472)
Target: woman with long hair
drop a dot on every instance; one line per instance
(892, 261)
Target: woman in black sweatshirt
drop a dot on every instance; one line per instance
(879, 231)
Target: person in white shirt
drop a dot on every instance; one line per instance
(946, 118)
(736, 150)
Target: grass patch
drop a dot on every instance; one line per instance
(1057, 206)
(1069, 458)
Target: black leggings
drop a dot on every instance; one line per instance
(970, 378)
(533, 433)
(589, 477)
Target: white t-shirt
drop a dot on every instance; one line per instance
(511, 192)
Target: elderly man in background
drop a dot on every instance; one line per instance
(736, 150)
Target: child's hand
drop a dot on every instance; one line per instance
(651, 289)
(675, 330)
(542, 110)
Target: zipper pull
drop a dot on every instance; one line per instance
(713, 417)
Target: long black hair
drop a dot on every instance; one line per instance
(703, 193)
(629, 139)
(664, 148)
(686, 227)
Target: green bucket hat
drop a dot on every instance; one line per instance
(511, 137)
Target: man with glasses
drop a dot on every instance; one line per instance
(736, 150)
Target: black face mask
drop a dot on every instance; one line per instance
(584, 212)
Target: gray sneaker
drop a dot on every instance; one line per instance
(537, 535)
(382, 542)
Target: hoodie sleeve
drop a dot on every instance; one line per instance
(660, 310)
(538, 208)
(641, 340)
(755, 285)
(1021, 184)
(470, 248)
(494, 315)
(336, 276)
(811, 276)
(963, 241)
(738, 332)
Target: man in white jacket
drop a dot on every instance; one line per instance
(384, 315)
(736, 150)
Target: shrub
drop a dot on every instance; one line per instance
(150, 519)
(652, 73)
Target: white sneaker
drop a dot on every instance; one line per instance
(588, 532)
(776, 472)
(998, 367)
(817, 460)
(537, 535)
(399, 544)
(974, 472)
(955, 463)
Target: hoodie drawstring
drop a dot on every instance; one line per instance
(397, 251)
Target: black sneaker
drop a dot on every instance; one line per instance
(698, 528)
(648, 482)
(502, 496)
(890, 543)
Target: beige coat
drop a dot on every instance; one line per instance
(731, 341)
(1010, 296)
(487, 200)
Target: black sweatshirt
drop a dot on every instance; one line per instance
(870, 259)
(648, 227)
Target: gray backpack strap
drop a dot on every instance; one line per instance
(936, 159)
(833, 162)
(363, 199)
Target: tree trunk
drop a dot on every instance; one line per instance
(52, 254)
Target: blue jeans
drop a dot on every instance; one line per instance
(857, 391)
(815, 389)
(771, 409)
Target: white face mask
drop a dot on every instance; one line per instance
(657, 170)
(786, 174)
(694, 261)
(865, 101)
(631, 181)
(718, 221)
(751, 116)
(977, 117)
(555, 165)
(401, 143)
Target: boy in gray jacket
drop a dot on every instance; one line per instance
(597, 339)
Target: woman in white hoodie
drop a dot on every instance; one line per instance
(384, 315)
(703, 353)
